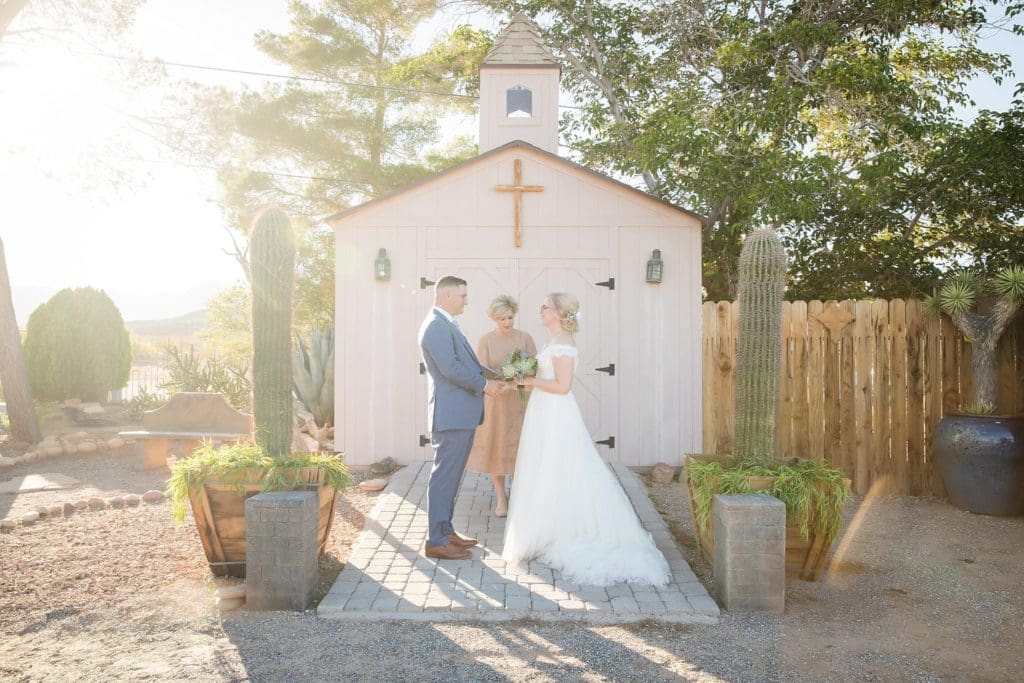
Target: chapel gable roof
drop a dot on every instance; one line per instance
(520, 44)
(494, 152)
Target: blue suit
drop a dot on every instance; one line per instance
(455, 408)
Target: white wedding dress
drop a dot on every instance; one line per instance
(567, 509)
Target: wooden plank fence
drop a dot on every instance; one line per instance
(862, 384)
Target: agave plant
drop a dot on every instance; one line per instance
(958, 298)
(313, 375)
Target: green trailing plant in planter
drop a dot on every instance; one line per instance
(813, 492)
(235, 464)
(980, 452)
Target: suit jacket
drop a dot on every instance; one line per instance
(455, 378)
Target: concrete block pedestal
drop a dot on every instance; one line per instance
(750, 551)
(281, 568)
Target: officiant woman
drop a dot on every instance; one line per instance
(497, 439)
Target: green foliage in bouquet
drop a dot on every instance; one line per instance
(236, 464)
(517, 367)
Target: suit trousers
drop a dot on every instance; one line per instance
(451, 451)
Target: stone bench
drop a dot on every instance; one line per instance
(184, 423)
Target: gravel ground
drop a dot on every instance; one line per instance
(921, 592)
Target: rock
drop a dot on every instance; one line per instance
(662, 473)
(114, 444)
(72, 401)
(29, 518)
(116, 502)
(92, 409)
(77, 436)
(228, 604)
(8, 523)
(87, 447)
(70, 449)
(43, 511)
(97, 504)
(82, 505)
(307, 444)
(6, 462)
(373, 484)
(230, 592)
(153, 496)
(132, 501)
(29, 457)
(69, 508)
(56, 510)
(383, 467)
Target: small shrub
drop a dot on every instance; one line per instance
(188, 372)
(77, 346)
(140, 403)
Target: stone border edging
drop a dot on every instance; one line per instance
(67, 509)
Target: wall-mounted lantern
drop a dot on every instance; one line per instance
(382, 266)
(655, 266)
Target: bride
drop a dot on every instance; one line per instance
(568, 510)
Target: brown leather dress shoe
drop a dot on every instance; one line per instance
(447, 552)
(461, 541)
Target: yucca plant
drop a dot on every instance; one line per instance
(958, 298)
(313, 375)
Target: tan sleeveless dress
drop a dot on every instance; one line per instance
(497, 439)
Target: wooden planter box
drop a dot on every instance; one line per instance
(219, 512)
(805, 558)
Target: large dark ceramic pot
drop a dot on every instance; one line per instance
(981, 458)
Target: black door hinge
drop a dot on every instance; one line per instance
(609, 442)
(610, 369)
(424, 283)
(423, 369)
(424, 440)
(609, 283)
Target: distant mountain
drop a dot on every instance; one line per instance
(140, 306)
(178, 326)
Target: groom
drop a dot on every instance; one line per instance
(455, 408)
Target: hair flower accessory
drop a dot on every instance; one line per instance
(573, 315)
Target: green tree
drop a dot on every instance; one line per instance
(17, 391)
(822, 119)
(326, 145)
(77, 346)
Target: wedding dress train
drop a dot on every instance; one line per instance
(567, 509)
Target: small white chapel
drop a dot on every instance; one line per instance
(519, 219)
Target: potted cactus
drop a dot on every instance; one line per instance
(217, 481)
(979, 452)
(814, 494)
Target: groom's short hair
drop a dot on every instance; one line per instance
(449, 282)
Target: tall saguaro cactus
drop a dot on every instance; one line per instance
(762, 281)
(272, 266)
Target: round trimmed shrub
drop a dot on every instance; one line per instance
(77, 346)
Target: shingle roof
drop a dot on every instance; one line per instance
(520, 44)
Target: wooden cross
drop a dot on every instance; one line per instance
(518, 189)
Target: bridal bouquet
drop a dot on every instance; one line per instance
(518, 366)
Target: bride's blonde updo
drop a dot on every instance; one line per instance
(568, 307)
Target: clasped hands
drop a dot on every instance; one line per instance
(498, 387)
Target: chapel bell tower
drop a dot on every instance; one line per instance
(519, 90)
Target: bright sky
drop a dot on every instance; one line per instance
(156, 244)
